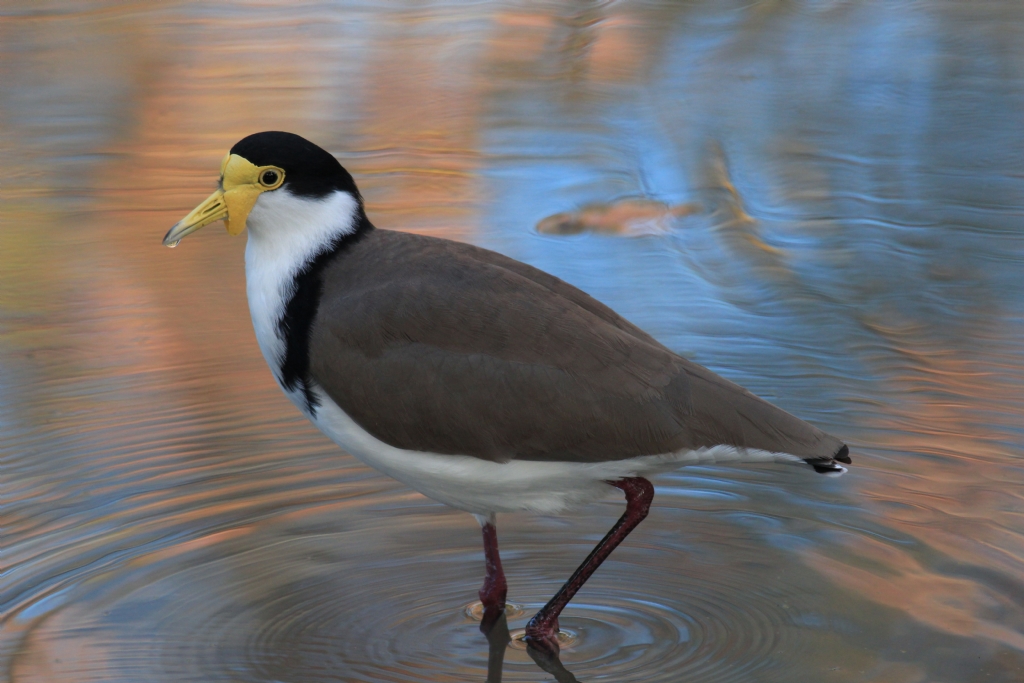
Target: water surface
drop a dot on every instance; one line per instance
(853, 253)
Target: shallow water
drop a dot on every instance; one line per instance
(854, 253)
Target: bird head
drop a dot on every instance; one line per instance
(285, 166)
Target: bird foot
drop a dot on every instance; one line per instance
(542, 634)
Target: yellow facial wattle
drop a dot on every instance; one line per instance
(241, 184)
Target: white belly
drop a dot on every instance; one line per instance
(481, 486)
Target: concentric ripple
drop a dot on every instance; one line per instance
(367, 603)
(702, 635)
(475, 610)
(567, 639)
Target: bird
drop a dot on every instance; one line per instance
(480, 381)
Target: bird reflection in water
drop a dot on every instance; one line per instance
(495, 626)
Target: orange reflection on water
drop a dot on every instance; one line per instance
(145, 420)
(944, 485)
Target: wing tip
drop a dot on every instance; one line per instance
(831, 466)
(829, 469)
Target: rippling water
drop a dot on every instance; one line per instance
(819, 199)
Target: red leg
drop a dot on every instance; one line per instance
(542, 631)
(492, 595)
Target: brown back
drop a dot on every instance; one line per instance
(433, 345)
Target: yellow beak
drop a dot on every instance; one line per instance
(213, 209)
(240, 187)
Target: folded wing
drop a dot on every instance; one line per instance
(432, 345)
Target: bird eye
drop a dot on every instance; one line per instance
(269, 178)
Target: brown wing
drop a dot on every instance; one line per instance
(438, 346)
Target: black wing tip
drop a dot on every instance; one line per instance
(828, 468)
(831, 465)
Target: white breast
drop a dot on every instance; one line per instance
(285, 233)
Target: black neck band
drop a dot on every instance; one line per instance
(297, 319)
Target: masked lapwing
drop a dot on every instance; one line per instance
(477, 380)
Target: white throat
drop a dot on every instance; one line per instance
(285, 233)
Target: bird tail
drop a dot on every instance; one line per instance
(830, 466)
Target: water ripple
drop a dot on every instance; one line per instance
(823, 201)
(261, 602)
